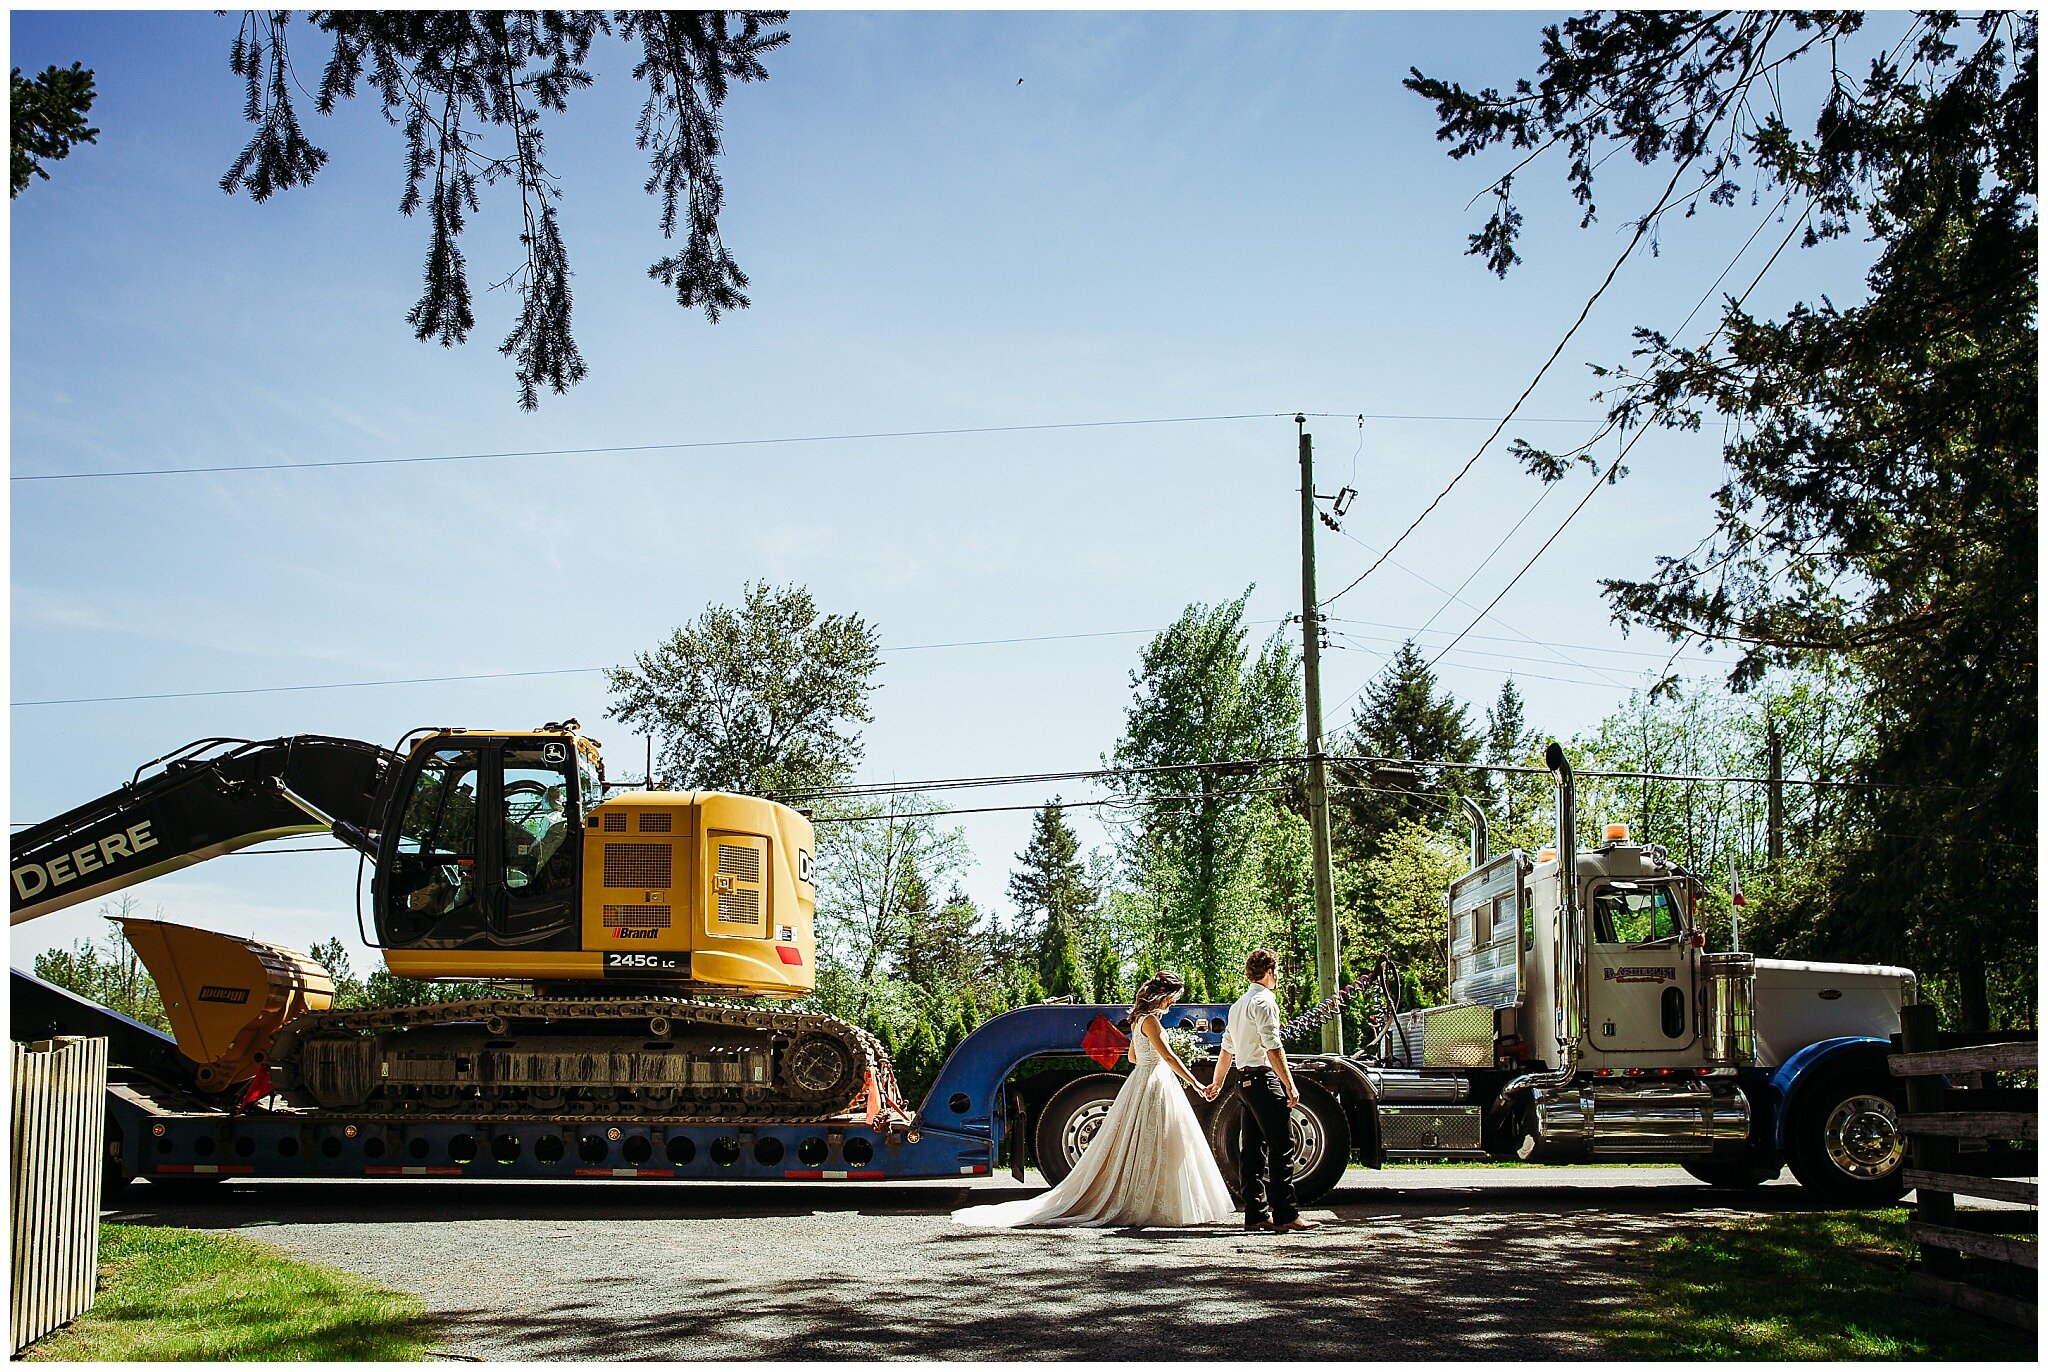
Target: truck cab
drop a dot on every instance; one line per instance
(1588, 1021)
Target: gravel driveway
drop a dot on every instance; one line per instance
(1452, 1263)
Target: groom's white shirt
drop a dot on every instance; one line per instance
(1253, 1027)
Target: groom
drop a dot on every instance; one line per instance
(1251, 1040)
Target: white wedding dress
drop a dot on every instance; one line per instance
(1148, 1164)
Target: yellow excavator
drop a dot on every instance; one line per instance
(499, 857)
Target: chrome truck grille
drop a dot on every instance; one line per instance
(1617, 1119)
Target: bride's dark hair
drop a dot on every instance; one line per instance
(1159, 988)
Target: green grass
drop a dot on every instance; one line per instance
(171, 1295)
(1797, 1286)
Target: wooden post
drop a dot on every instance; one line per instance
(1920, 1032)
(1318, 781)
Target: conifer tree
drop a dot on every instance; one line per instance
(1052, 892)
(1402, 715)
(1880, 503)
(447, 78)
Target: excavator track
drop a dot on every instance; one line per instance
(558, 1058)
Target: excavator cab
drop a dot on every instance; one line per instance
(499, 856)
(484, 851)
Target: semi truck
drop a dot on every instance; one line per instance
(1584, 1021)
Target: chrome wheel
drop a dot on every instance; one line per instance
(1310, 1141)
(1079, 1130)
(1862, 1137)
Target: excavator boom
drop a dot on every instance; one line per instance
(206, 799)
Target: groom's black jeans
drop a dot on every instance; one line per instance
(1265, 1159)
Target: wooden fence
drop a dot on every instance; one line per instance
(1970, 1135)
(60, 1111)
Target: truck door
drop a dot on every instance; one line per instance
(1640, 970)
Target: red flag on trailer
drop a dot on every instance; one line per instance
(1734, 883)
(260, 1086)
(1104, 1042)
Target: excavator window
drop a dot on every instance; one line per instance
(435, 872)
(486, 851)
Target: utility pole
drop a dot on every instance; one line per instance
(1318, 780)
(1774, 796)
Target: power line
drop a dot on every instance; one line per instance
(1642, 227)
(1515, 629)
(1548, 487)
(584, 671)
(1598, 482)
(1064, 805)
(883, 788)
(878, 788)
(1518, 673)
(1504, 638)
(548, 671)
(331, 463)
(1237, 765)
(1608, 476)
(318, 686)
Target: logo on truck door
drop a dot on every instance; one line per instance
(1655, 975)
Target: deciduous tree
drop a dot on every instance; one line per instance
(763, 697)
(1201, 699)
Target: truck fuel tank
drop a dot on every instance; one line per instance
(1611, 1118)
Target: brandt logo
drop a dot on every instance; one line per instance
(226, 995)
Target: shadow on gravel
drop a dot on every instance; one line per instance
(1459, 1288)
(1400, 1271)
(234, 1205)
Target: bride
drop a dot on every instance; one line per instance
(1148, 1163)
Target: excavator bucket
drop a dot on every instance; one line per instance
(226, 997)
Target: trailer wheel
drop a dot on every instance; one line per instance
(1322, 1141)
(1740, 1174)
(1068, 1122)
(1846, 1143)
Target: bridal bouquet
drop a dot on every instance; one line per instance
(1187, 1045)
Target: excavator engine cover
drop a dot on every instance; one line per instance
(226, 997)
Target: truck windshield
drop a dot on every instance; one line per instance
(1635, 914)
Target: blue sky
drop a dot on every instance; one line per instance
(1172, 215)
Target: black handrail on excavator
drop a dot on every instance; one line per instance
(200, 805)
